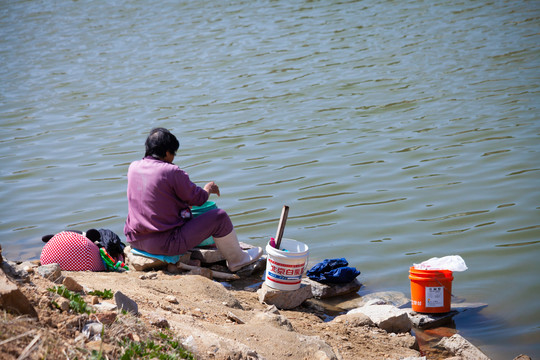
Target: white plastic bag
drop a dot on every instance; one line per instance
(451, 262)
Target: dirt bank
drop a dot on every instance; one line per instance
(212, 321)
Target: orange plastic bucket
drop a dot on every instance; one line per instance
(431, 290)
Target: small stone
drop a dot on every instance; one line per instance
(161, 323)
(171, 299)
(124, 303)
(94, 300)
(72, 284)
(93, 331)
(63, 304)
(173, 269)
(522, 357)
(276, 320)
(105, 306)
(107, 318)
(197, 312)
(51, 272)
(272, 309)
(233, 317)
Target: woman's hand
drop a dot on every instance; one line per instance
(211, 188)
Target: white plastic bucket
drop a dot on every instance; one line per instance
(284, 269)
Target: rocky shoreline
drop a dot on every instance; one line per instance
(209, 318)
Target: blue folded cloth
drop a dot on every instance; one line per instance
(334, 271)
(170, 259)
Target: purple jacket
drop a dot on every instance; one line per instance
(157, 192)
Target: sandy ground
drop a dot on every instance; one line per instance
(211, 320)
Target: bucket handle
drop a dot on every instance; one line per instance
(452, 295)
(304, 270)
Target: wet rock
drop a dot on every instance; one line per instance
(13, 300)
(51, 272)
(72, 284)
(284, 299)
(396, 298)
(458, 345)
(386, 317)
(124, 303)
(424, 321)
(441, 332)
(522, 357)
(324, 291)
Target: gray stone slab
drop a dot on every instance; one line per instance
(124, 303)
(284, 299)
(425, 320)
(207, 256)
(386, 317)
(324, 291)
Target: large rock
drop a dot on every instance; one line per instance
(386, 317)
(323, 291)
(13, 300)
(458, 345)
(284, 299)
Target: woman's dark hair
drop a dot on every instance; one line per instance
(159, 142)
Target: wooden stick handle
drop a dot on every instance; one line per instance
(281, 226)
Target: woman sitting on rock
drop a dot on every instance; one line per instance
(160, 196)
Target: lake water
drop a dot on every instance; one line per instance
(396, 131)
